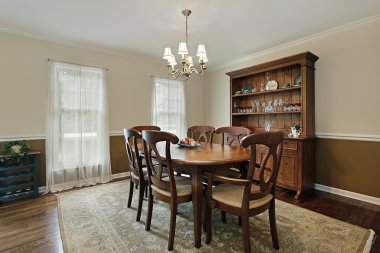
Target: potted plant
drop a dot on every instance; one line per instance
(295, 130)
(14, 152)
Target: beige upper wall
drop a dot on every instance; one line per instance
(24, 83)
(347, 81)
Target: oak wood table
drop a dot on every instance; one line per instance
(194, 161)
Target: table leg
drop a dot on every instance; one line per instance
(197, 189)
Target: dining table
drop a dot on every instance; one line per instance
(194, 161)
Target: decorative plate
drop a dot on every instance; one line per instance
(297, 80)
(188, 145)
(271, 85)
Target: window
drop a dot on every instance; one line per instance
(77, 142)
(168, 104)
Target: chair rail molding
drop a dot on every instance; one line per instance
(353, 137)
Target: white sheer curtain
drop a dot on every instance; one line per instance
(168, 106)
(77, 145)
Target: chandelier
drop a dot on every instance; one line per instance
(187, 61)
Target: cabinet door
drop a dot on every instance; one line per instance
(287, 174)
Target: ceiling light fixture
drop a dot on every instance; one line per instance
(187, 61)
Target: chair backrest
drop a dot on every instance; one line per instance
(202, 132)
(141, 128)
(131, 140)
(150, 139)
(274, 143)
(232, 134)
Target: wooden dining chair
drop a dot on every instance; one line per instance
(138, 176)
(202, 133)
(170, 189)
(140, 129)
(232, 135)
(147, 127)
(245, 197)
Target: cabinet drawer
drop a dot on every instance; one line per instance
(291, 145)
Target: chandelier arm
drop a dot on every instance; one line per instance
(200, 72)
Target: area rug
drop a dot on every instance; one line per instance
(96, 219)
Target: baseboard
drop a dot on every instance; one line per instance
(120, 175)
(348, 194)
(113, 176)
(41, 189)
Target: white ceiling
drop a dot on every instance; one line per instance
(229, 29)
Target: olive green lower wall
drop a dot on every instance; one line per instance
(343, 164)
(349, 165)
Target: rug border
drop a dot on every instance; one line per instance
(61, 225)
(366, 245)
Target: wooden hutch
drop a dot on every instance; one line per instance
(292, 102)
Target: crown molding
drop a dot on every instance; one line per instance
(307, 39)
(352, 137)
(69, 43)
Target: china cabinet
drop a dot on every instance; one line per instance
(274, 96)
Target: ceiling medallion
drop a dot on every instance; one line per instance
(187, 61)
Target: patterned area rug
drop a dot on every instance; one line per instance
(96, 219)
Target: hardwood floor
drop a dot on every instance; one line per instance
(32, 225)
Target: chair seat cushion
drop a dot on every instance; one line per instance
(232, 195)
(183, 187)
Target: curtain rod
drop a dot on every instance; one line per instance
(107, 69)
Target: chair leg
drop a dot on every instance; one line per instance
(246, 235)
(272, 222)
(173, 218)
(141, 197)
(239, 221)
(150, 210)
(208, 223)
(146, 191)
(130, 194)
(205, 204)
(223, 216)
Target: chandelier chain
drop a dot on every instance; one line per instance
(187, 37)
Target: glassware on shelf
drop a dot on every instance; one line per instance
(235, 107)
(275, 105)
(280, 105)
(257, 103)
(267, 126)
(262, 87)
